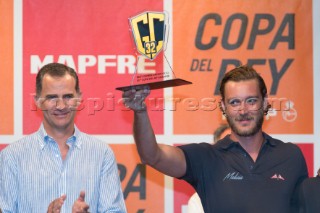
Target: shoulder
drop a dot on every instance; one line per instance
(288, 153)
(202, 145)
(22, 145)
(313, 183)
(287, 147)
(20, 150)
(195, 147)
(199, 153)
(89, 142)
(310, 188)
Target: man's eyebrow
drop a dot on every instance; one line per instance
(70, 95)
(51, 96)
(253, 96)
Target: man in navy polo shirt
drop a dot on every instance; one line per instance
(247, 171)
(310, 195)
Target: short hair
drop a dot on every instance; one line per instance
(243, 73)
(55, 70)
(219, 131)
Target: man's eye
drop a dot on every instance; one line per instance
(234, 102)
(68, 96)
(252, 101)
(51, 98)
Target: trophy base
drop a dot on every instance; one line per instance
(157, 85)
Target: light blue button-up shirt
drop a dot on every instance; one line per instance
(32, 174)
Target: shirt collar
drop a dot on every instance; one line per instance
(226, 143)
(72, 140)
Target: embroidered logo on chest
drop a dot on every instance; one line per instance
(233, 176)
(277, 177)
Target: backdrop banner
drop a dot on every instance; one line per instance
(204, 39)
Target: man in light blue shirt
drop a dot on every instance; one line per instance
(58, 168)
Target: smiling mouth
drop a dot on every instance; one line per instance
(244, 119)
(61, 114)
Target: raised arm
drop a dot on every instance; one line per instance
(167, 159)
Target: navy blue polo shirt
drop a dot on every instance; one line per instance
(310, 195)
(228, 180)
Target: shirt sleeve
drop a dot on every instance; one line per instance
(111, 197)
(303, 174)
(196, 159)
(8, 180)
(302, 199)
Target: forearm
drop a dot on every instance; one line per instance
(144, 138)
(167, 159)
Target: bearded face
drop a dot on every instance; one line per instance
(256, 126)
(244, 107)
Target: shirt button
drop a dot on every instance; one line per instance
(251, 167)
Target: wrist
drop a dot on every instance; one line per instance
(140, 111)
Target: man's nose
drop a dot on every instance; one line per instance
(60, 103)
(243, 108)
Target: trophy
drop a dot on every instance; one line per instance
(150, 33)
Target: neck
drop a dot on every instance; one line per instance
(252, 144)
(60, 135)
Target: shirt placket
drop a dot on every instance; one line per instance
(63, 188)
(62, 165)
(250, 164)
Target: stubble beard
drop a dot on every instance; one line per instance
(247, 133)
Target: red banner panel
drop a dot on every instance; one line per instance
(93, 38)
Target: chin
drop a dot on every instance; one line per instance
(64, 124)
(247, 132)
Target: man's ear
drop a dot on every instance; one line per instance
(37, 101)
(79, 99)
(222, 107)
(266, 105)
(80, 95)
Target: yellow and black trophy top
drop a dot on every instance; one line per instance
(150, 33)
